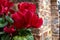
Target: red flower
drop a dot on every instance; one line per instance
(9, 30)
(26, 20)
(24, 6)
(5, 5)
(26, 17)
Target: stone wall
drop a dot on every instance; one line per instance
(44, 11)
(55, 20)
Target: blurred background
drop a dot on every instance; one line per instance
(49, 10)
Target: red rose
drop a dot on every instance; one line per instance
(9, 30)
(24, 6)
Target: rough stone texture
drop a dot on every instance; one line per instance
(44, 11)
(55, 20)
(49, 12)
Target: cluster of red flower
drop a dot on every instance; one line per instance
(5, 6)
(24, 18)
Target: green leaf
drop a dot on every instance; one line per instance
(5, 37)
(3, 24)
(15, 38)
(26, 32)
(2, 20)
(19, 38)
(29, 29)
(30, 37)
(23, 38)
(1, 33)
(9, 19)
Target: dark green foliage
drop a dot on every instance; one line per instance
(5, 37)
(3, 23)
(9, 19)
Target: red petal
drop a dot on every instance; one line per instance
(6, 29)
(34, 19)
(11, 11)
(26, 6)
(15, 17)
(12, 29)
(10, 4)
(39, 23)
(28, 17)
